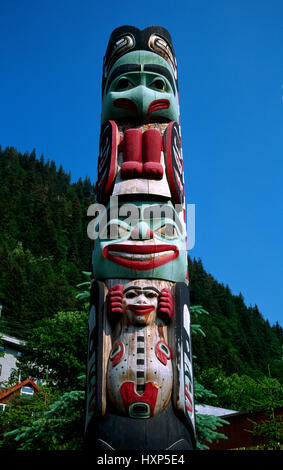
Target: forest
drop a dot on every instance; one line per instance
(45, 254)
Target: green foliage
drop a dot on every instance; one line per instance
(206, 427)
(237, 392)
(270, 429)
(236, 336)
(43, 238)
(195, 311)
(57, 346)
(59, 427)
(84, 295)
(19, 412)
(56, 352)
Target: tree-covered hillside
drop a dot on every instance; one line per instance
(236, 336)
(44, 248)
(43, 238)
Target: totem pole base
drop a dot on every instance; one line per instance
(162, 432)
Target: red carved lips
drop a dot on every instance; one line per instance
(129, 105)
(157, 105)
(125, 103)
(141, 309)
(140, 257)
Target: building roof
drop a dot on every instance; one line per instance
(213, 410)
(4, 394)
(11, 340)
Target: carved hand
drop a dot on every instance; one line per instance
(114, 301)
(165, 305)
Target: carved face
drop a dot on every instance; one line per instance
(140, 304)
(141, 86)
(150, 243)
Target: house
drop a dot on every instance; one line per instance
(12, 348)
(27, 388)
(239, 428)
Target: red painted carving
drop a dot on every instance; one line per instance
(136, 235)
(114, 300)
(173, 161)
(130, 396)
(189, 403)
(157, 105)
(141, 309)
(151, 151)
(107, 160)
(162, 356)
(140, 249)
(141, 154)
(132, 154)
(115, 358)
(165, 305)
(125, 103)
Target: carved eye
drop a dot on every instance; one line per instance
(167, 231)
(123, 84)
(113, 231)
(158, 84)
(150, 294)
(130, 295)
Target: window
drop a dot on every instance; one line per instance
(14, 374)
(27, 391)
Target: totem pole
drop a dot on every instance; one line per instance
(139, 370)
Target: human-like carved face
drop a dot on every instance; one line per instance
(141, 86)
(140, 304)
(149, 244)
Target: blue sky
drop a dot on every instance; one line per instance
(230, 68)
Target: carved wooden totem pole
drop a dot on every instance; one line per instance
(139, 369)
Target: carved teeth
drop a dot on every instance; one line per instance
(140, 257)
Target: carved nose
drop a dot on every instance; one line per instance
(142, 232)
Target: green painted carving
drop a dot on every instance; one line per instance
(141, 86)
(139, 410)
(143, 240)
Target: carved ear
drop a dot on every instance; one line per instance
(114, 301)
(165, 305)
